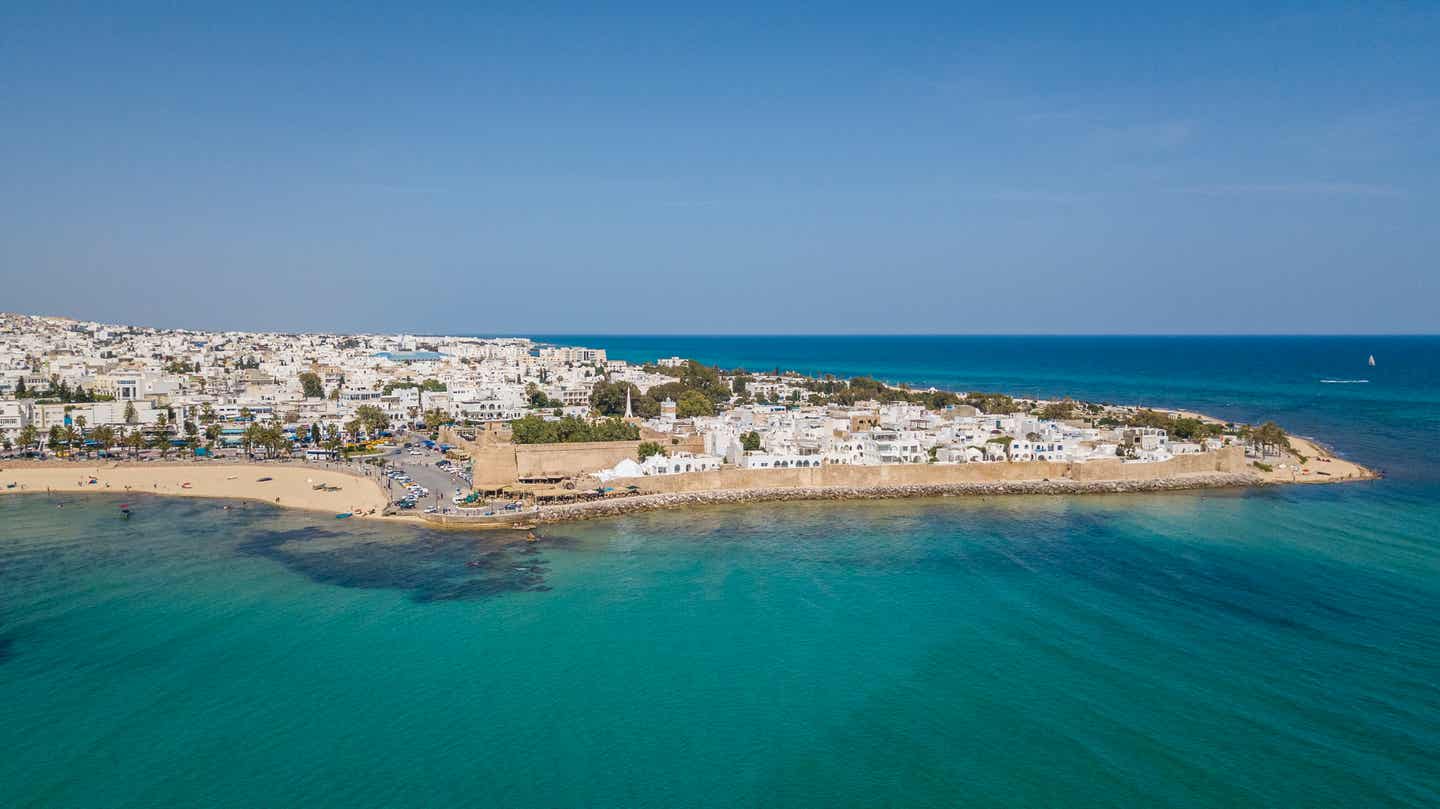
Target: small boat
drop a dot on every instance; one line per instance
(263, 480)
(231, 477)
(1372, 360)
(185, 485)
(342, 515)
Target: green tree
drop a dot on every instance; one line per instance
(537, 430)
(434, 418)
(1056, 411)
(1270, 438)
(693, 403)
(992, 403)
(131, 416)
(160, 441)
(538, 399)
(135, 440)
(1004, 441)
(29, 436)
(648, 448)
(608, 398)
(372, 419)
(750, 442)
(313, 386)
(104, 436)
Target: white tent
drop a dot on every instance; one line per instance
(627, 468)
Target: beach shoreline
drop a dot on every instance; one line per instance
(285, 485)
(1320, 465)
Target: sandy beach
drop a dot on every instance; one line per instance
(1320, 466)
(282, 485)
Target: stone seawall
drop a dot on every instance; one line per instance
(654, 502)
(1230, 460)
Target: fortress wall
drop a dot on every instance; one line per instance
(499, 463)
(1229, 460)
(570, 460)
(503, 463)
(847, 476)
(492, 467)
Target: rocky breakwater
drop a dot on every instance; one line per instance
(651, 502)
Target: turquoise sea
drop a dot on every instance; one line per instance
(1274, 647)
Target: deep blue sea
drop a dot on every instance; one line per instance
(1276, 647)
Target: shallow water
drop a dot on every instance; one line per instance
(1259, 648)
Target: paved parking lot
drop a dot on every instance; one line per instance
(422, 468)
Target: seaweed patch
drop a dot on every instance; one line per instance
(433, 567)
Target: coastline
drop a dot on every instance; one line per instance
(666, 501)
(292, 486)
(1320, 466)
(288, 486)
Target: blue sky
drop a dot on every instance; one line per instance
(945, 167)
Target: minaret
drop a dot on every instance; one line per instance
(628, 414)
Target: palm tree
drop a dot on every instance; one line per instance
(69, 435)
(135, 440)
(29, 436)
(104, 437)
(250, 437)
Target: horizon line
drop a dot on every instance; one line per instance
(928, 334)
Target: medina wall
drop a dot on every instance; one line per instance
(1230, 460)
(570, 460)
(495, 463)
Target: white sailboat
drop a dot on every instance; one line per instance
(1372, 360)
